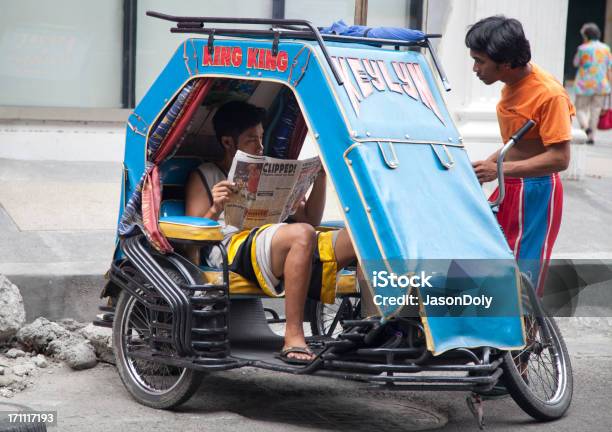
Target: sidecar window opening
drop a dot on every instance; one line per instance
(200, 140)
(200, 143)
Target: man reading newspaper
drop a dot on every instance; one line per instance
(289, 259)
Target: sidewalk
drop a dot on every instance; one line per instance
(586, 230)
(57, 225)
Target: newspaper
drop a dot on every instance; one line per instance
(268, 190)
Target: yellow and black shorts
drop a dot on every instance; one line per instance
(244, 260)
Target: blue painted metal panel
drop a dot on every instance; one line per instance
(395, 95)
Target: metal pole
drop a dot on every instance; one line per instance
(128, 86)
(278, 9)
(416, 14)
(361, 12)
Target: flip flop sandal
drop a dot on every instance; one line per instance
(284, 355)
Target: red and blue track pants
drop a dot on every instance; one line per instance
(530, 217)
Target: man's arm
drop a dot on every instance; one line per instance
(555, 158)
(554, 118)
(311, 211)
(197, 201)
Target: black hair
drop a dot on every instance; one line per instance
(500, 38)
(233, 118)
(591, 31)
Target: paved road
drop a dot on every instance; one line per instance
(256, 400)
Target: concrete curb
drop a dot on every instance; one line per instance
(60, 296)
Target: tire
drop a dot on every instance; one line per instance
(527, 393)
(140, 376)
(322, 315)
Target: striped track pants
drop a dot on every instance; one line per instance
(530, 217)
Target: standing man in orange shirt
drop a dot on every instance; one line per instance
(530, 214)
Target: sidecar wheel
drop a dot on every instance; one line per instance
(151, 383)
(539, 377)
(325, 318)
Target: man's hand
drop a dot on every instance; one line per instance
(485, 170)
(220, 194)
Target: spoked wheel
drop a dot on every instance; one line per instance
(539, 377)
(327, 317)
(151, 383)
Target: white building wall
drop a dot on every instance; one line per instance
(62, 140)
(471, 102)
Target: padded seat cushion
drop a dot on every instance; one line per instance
(238, 284)
(346, 282)
(190, 228)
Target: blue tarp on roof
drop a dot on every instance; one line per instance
(396, 33)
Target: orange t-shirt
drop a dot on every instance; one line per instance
(541, 98)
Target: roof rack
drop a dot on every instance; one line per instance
(291, 29)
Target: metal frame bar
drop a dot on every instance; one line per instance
(516, 137)
(196, 363)
(200, 325)
(383, 375)
(409, 368)
(438, 65)
(290, 33)
(294, 30)
(178, 302)
(439, 383)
